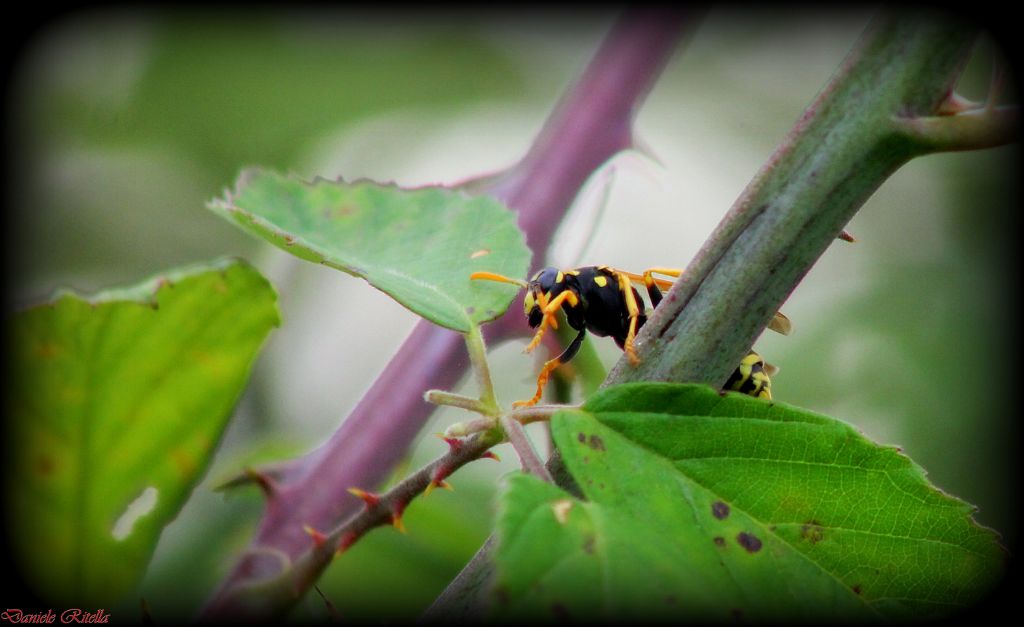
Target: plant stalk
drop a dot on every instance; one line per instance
(528, 457)
(481, 370)
(590, 125)
(843, 148)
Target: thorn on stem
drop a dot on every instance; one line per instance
(369, 498)
(491, 455)
(454, 444)
(318, 537)
(954, 103)
(437, 480)
(440, 474)
(347, 539)
(438, 484)
(263, 480)
(396, 517)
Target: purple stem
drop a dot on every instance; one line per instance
(591, 124)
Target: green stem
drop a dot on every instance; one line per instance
(538, 413)
(482, 371)
(451, 399)
(839, 152)
(469, 427)
(522, 415)
(970, 130)
(528, 457)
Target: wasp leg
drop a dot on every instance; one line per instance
(653, 285)
(779, 322)
(751, 377)
(542, 302)
(647, 279)
(634, 312)
(550, 365)
(549, 309)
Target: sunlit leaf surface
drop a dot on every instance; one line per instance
(719, 507)
(417, 245)
(116, 403)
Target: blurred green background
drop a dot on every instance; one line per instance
(125, 122)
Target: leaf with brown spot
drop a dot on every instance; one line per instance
(812, 531)
(750, 542)
(522, 564)
(731, 501)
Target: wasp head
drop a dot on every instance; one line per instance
(538, 294)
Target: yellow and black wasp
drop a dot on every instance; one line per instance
(602, 300)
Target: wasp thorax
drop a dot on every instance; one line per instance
(546, 279)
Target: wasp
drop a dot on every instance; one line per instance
(604, 301)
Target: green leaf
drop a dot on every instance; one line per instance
(417, 245)
(117, 403)
(708, 506)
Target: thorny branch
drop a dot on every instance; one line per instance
(847, 143)
(590, 125)
(387, 508)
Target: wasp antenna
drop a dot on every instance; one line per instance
(490, 276)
